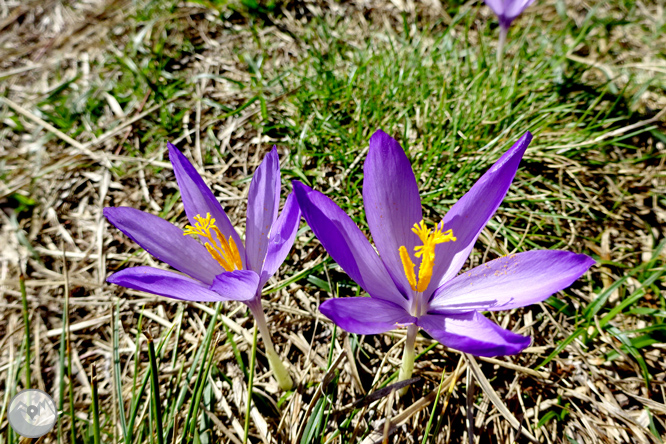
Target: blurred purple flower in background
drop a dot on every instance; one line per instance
(506, 11)
(222, 269)
(436, 298)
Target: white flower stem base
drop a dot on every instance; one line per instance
(408, 356)
(279, 370)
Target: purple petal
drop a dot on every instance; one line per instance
(471, 213)
(165, 241)
(262, 209)
(473, 333)
(497, 6)
(365, 316)
(511, 281)
(507, 10)
(237, 285)
(164, 283)
(283, 233)
(392, 203)
(516, 7)
(198, 199)
(346, 244)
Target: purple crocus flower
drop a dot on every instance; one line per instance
(506, 11)
(218, 267)
(414, 279)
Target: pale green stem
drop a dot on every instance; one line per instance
(279, 370)
(408, 356)
(500, 45)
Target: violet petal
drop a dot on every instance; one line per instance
(164, 283)
(346, 244)
(281, 238)
(237, 285)
(198, 199)
(507, 10)
(470, 214)
(262, 209)
(513, 8)
(473, 333)
(165, 241)
(365, 315)
(392, 203)
(511, 281)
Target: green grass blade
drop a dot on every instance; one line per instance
(633, 351)
(138, 395)
(190, 420)
(95, 406)
(434, 409)
(631, 300)
(561, 346)
(117, 372)
(601, 300)
(155, 391)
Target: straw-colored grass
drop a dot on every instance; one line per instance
(91, 91)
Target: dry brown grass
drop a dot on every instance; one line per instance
(66, 246)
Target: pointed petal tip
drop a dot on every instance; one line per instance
(586, 260)
(111, 279)
(173, 150)
(113, 214)
(522, 143)
(300, 188)
(119, 277)
(379, 133)
(514, 344)
(379, 139)
(272, 154)
(513, 154)
(519, 344)
(177, 158)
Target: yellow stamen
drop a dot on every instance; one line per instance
(222, 250)
(235, 255)
(408, 265)
(220, 260)
(430, 239)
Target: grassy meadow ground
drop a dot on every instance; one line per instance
(91, 91)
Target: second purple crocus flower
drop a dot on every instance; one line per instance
(218, 267)
(414, 279)
(506, 12)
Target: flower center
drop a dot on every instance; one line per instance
(223, 251)
(430, 239)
